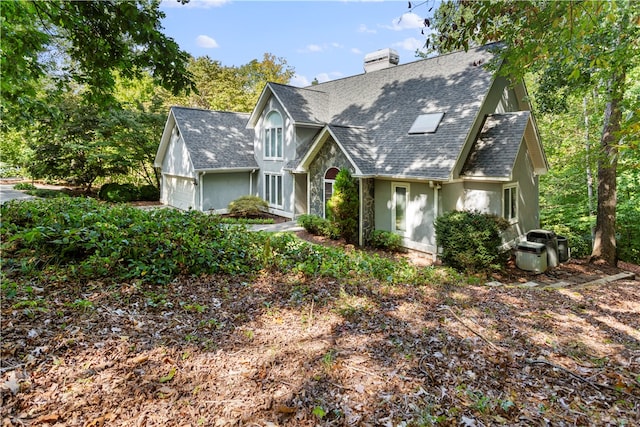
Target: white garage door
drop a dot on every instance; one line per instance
(180, 192)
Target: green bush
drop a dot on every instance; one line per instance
(319, 226)
(471, 241)
(386, 240)
(22, 186)
(149, 193)
(118, 193)
(344, 206)
(248, 207)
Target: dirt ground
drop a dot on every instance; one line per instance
(288, 350)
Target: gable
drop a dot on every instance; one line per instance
(215, 140)
(494, 152)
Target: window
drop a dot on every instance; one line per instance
(273, 136)
(510, 202)
(329, 180)
(399, 212)
(273, 189)
(426, 123)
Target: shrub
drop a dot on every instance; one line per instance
(386, 240)
(319, 226)
(471, 241)
(22, 186)
(344, 205)
(118, 193)
(149, 193)
(248, 207)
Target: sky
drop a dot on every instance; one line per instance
(326, 40)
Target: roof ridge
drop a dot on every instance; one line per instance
(208, 110)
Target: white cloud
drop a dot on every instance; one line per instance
(325, 77)
(195, 4)
(364, 29)
(311, 48)
(299, 81)
(206, 42)
(410, 44)
(356, 51)
(408, 21)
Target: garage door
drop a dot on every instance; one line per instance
(180, 192)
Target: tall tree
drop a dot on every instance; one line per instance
(574, 45)
(231, 88)
(85, 42)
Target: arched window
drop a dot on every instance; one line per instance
(273, 136)
(329, 180)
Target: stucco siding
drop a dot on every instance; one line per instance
(528, 189)
(222, 188)
(420, 232)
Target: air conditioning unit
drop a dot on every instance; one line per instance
(531, 256)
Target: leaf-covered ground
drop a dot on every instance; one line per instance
(288, 350)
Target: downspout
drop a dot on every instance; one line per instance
(251, 181)
(436, 207)
(361, 216)
(201, 191)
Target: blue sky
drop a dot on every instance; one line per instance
(319, 39)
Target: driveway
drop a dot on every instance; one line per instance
(8, 193)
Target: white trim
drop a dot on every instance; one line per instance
(407, 187)
(317, 145)
(267, 182)
(513, 216)
(267, 127)
(325, 181)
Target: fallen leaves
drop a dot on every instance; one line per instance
(280, 350)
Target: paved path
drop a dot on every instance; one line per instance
(8, 193)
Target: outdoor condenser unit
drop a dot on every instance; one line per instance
(531, 256)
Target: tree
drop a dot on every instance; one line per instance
(575, 46)
(232, 88)
(344, 205)
(75, 142)
(84, 42)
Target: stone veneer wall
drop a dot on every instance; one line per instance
(329, 156)
(368, 203)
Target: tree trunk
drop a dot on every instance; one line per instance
(604, 243)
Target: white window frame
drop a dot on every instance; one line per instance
(273, 189)
(324, 190)
(394, 206)
(510, 202)
(272, 131)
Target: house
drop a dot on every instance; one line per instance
(421, 138)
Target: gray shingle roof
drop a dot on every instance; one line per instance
(386, 102)
(494, 152)
(216, 139)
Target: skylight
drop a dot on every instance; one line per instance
(426, 123)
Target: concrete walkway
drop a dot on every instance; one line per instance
(8, 193)
(279, 227)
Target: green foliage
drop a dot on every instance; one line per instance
(344, 205)
(248, 206)
(90, 240)
(116, 193)
(24, 186)
(232, 88)
(319, 226)
(471, 241)
(386, 240)
(93, 240)
(86, 42)
(123, 193)
(149, 193)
